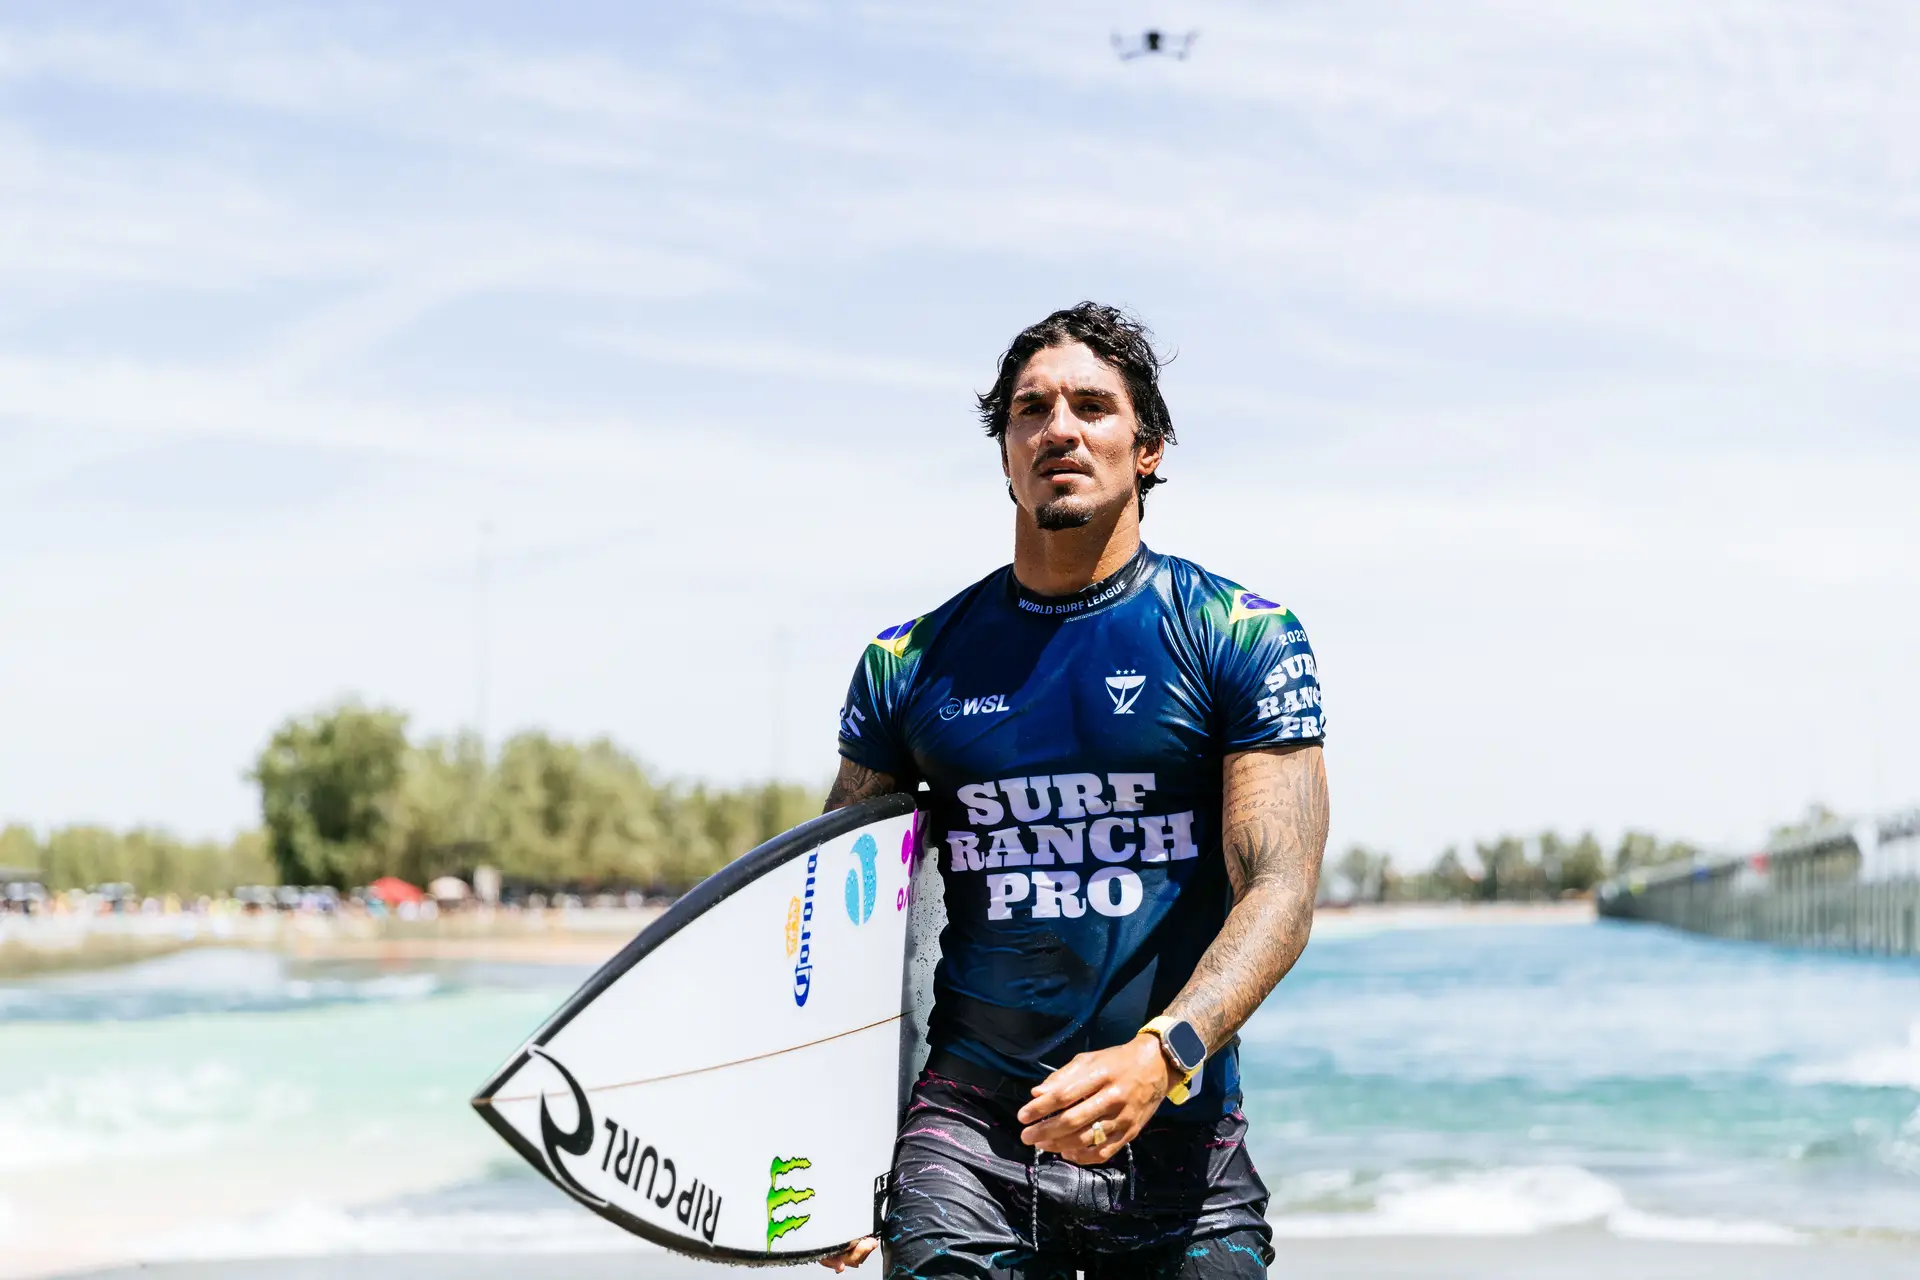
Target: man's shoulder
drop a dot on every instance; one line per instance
(1221, 604)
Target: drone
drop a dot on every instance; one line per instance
(1156, 44)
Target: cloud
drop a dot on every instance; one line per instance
(1555, 362)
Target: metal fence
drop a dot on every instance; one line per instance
(1846, 886)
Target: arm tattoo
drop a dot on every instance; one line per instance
(856, 783)
(1274, 825)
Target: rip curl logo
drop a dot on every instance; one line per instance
(1124, 688)
(779, 1197)
(577, 1141)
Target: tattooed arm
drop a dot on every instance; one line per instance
(1273, 832)
(855, 783)
(1274, 819)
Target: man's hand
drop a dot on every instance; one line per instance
(856, 1253)
(1119, 1087)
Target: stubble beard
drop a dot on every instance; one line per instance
(1063, 513)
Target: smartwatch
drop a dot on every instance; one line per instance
(1184, 1048)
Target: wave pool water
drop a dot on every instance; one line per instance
(1472, 1080)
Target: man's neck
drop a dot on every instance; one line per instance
(1063, 561)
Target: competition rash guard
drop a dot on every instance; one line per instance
(1073, 746)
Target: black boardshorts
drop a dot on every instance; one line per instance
(969, 1199)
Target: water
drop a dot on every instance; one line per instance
(1472, 1080)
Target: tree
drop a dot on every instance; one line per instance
(1450, 877)
(562, 814)
(1640, 849)
(1582, 867)
(327, 785)
(1365, 873)
(1507, 874)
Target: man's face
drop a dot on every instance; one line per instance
(1069, 450)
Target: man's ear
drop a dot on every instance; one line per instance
(1146, 457)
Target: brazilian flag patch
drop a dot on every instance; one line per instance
(894, 639)
(1251, 604)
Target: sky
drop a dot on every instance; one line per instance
(609, 370)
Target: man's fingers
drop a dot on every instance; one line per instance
(854, 1254)
(1062, 1089)
(1070, 1126)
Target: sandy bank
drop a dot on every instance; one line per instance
(1568, 1255)
(30, 946)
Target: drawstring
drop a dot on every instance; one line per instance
(1033, 1200)
(1033, 1192)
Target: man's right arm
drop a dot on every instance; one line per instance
(855, 783)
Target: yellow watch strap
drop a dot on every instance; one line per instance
(1182, 1088)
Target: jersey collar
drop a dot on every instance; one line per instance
(1111, 589)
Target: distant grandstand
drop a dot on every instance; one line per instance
(1846, 885)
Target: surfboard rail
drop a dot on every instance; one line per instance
(703, 897)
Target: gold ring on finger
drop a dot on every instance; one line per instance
(1097, 1134)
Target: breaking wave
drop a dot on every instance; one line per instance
(1495, 1202)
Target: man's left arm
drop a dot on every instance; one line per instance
(1273, 832)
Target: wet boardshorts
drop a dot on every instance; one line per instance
(969, 1199)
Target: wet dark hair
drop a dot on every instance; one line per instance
(1118, 339)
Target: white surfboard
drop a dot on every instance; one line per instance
(730, 1084)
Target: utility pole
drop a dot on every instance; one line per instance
(482, 656)
(480, 639)
(776, 761)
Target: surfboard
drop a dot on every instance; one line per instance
(730, 1084)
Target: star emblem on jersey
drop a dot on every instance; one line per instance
(1124, 688)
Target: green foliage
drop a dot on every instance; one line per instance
(153, 862)
(1512, 869)
(347, 799)
(1639, 849)
(327, 787)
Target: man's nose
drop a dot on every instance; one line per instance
(1063, 424)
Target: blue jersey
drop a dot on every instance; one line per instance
(1073, 747)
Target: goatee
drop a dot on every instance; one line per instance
(1063, 513)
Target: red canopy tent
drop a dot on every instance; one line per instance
(393, 891)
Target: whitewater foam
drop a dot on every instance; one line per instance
(135, 1114)
(1885, 1067)
(308, 1230)
(1513, 1202)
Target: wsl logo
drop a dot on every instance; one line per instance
(1124, 688)
(863, 882)
(803, 968)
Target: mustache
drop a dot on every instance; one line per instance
(1062, 454)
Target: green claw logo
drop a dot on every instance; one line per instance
(779, 1197)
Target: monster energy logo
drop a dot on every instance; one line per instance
(779, 1197)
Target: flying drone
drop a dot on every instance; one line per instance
(1155, 44)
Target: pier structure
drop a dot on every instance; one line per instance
(1847, 885)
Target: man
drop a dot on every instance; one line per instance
(1127, 798)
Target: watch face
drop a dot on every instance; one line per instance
(1186, 1044)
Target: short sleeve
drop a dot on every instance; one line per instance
(1266, 682)
(870, 731)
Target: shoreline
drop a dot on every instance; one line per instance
(40, 946)
(1571, 1255)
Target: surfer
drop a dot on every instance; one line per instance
(1126, 793)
